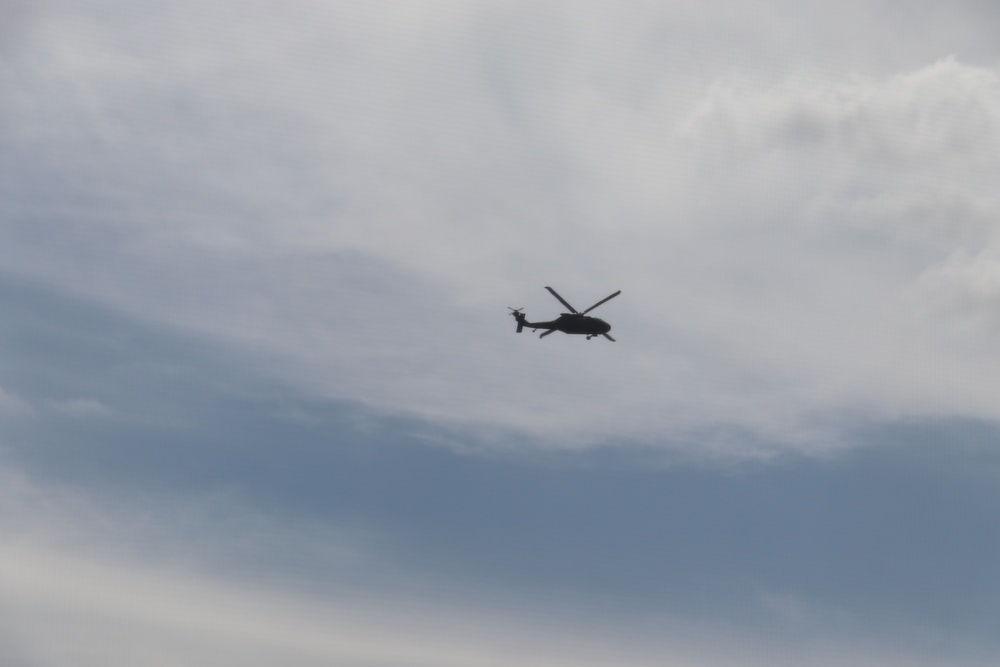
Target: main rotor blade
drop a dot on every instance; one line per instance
(548, 332)
(607, 298)
(561, 300)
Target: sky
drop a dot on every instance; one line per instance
(262, 402)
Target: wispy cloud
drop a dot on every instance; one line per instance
(14, 405)
(81, 407)
(124, 584)
(102, 585)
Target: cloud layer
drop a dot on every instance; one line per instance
(261, 401)
(356, 194)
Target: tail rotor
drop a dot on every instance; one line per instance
(519, 316)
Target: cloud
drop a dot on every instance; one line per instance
(122, 579)
(13, 404)
(81, 407)
(115, 614)
(209, 503)
(112, 583)
(256, 260)
(871, 188)
(351, 198)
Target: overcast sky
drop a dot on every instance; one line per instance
(261, 401)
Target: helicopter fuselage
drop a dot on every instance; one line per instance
(573, 323)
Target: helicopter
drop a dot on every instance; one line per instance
(573, 322)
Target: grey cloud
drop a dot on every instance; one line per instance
(258, 377)
(208, 491)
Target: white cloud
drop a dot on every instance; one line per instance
(354, 195)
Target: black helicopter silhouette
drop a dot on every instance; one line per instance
(572, 322)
